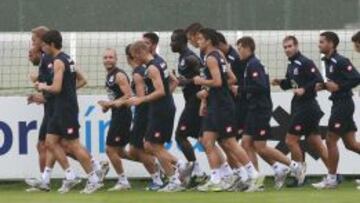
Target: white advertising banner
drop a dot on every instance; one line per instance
(19, 125)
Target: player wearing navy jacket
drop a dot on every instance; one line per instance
(302, 75)
(257, 124)
(341, 76)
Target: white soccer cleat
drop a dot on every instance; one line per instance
(280, 178)
(357, 181)
(120, 187)
(91, 187)
(256, 184)
(67, 185)
(105, 167)
(210, 186)
(325, 184)
(38, 184)
(230, 182)
(172, 187)
(300, 173)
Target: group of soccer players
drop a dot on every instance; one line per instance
(227, 98)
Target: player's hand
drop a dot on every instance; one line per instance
(136, 101)
(319, 86)
(299, 91)
(202, 94)
(33, 76)
(331, 86)
(198, 80)
(275, 82)
(104, 105)
(203, 108)
(234, 90)
(40, 86)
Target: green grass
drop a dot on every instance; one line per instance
(13, 192)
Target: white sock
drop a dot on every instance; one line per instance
(332, 177)
(197, 171)
(156, 178)
(180, 164)
(175, 179)
(95, 164)
(295, 165)
(93, 178)
(70, 174)
(215, 176)
(46, 175)
(123, 179)
(279, 168)
(241, 172)
(251, 170)
(225, 170)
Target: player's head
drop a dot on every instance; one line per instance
(140, 51)
(178, 40)
(109, 58)
(152, 40)
(52, 42)
(356, 40)
(207, 38)
(37, 34)
(290, 45)
(328, 42)
(192, 32)
(129, 58)
(246, 47)
(223, 45)
(34, 55)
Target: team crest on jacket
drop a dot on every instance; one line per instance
(296, 71)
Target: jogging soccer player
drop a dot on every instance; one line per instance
(257, 124)
(63, 123)
(161, 113)
(189, 124)
(341, 76)
(118, 89)
(218, 122)
(302, 75)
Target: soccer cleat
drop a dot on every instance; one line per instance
(325, 184)
(300, 173)
(67, 185)
(357, 181)
(256, 184)
(91, 187)
(32, 189)
(120, 187)
(103, 171)
(280, 178)
(172, 187)
(197, 180)
(185, 171)
(153, 186)
(210, 186)
(38, 184)
(230, 182)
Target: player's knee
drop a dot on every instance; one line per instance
(226, 144)
(41, 147)
(148, 147)
(246, 144)
(290, 141)
(350, 146)
(110, 151)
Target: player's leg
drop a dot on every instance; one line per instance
(248, 145)
(316, 143)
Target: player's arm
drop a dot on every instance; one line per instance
(214, 69)
(154, 75)
(139, 85)
(350, 74)
(284, 84)
(34, 76)
(37, 98)
(192, 63)
(173, 81)
(257, 80)
(55, 87)
(80, 79)
(124, 85)
(315, 76)
(231, 76)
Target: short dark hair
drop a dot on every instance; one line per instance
(291, 38)
(332, 37)
(221, 37)
(193, 28)
(210, 34)
(53, 36)
(127, 51)
(180, 35)
(247, 42)
(356, 37)
(153, 37)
